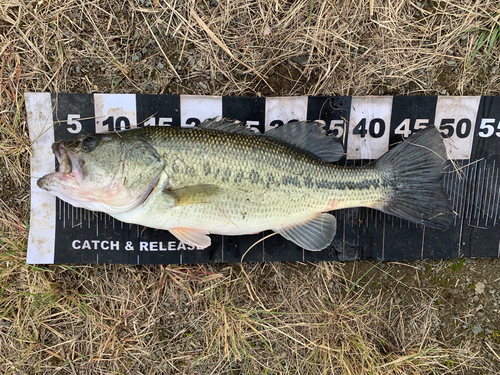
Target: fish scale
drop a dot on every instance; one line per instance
(238, 154)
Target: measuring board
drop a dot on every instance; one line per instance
(367, 128)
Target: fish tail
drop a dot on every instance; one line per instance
(414, 170)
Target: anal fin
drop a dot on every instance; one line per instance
(314, 234)
(193, 237)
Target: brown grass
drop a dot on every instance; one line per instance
(321, 318)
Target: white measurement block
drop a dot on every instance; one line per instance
(456, 119)
(197, 108)
(281, 110)
(115, 112)
(369, 127)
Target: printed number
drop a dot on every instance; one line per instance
(336, 126)
(74, 126)
(360, 129)
(376, 128)
(253, 126)
(192, 121)
(405, 129)
(162, 121)
(488, 127)
(463, 128)
(421, 123)
(447, 125)
(277, 123)
(121, 123)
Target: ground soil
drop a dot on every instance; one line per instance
(77, 319)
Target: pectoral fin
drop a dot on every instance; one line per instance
(314, 234)
(193, 237)
(194, 194)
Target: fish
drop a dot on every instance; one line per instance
(222, 178)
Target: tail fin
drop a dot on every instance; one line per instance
(415, 169)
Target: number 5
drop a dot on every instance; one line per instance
(447, 125)
(338, 126)
(77, 125)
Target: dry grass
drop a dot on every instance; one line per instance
(262, 318)
(200, 320)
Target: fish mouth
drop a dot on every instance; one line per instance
(69, 169)
(64, 161)
(69, 164)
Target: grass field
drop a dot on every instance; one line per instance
(293, 318)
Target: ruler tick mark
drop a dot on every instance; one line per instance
(480, 200)
(490, 191)
(422, 249)
(497, 190)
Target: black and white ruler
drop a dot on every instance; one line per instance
(367, 127)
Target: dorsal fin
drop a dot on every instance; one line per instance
(310, 137)
(226, 125)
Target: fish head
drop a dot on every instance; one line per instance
(109, 172)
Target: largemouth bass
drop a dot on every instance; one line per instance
(222, 178)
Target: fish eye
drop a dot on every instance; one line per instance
(88, 144)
